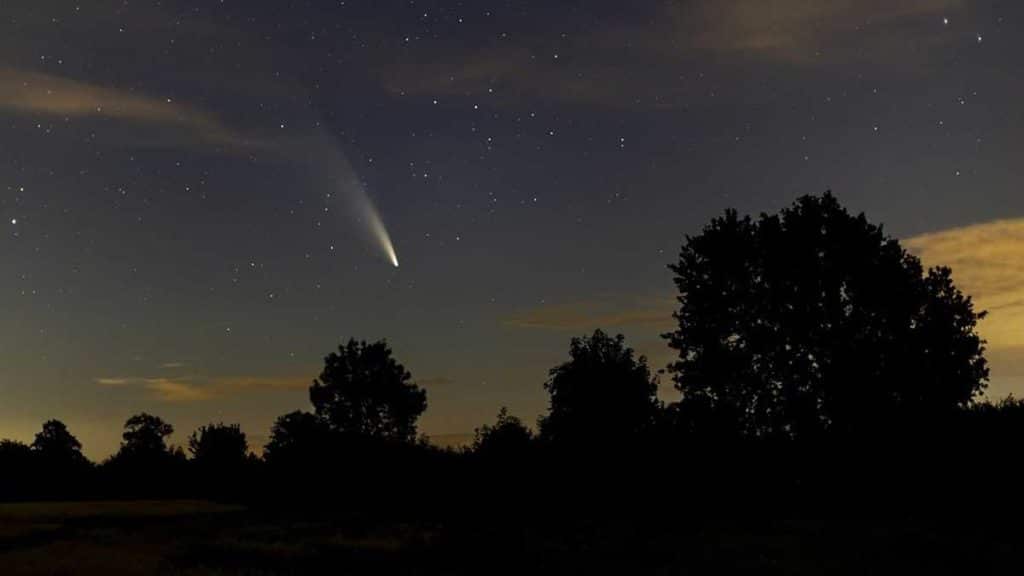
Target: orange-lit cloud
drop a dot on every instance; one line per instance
(175, 391)
(988, 264)
(35, 93)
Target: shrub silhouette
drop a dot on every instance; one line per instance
(813, 320)
(297, 438)
(602, 396)
(219, 446)
(144, 437)
(364, 393)
(508, 438)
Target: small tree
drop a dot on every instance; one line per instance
(603, 395)
(219, 446)
(297, 437)
(145, 436)
(363, 392)
(57, 446)
(507, 438)
(813, 320)
(15, 457)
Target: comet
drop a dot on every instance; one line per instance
(342, 181)
(379, 231)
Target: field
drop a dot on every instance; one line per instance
(201, 538)
(180, 537)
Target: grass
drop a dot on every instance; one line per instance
(197, 538)
(185, 537)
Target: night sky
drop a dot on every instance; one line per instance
(190, 191)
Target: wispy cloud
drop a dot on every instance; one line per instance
(115, 381)
(177, 391)
(196, 389)
(596, 66)
(36, 93)
(801, 31)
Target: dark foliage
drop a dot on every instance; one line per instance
(298, 438)
(363, 392)
(219, 446)
(145, 437)
(814, 321)
(508, 438)
(57, 447)
(602, 397)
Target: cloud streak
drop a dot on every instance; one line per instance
(187, 389)
(800, 31)
(28, 92)
(593, 67)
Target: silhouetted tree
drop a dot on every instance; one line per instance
(297, 437)
(145, 437)
(363, 392)
(602, 396)
(219, 446)
(57, 446)
(17, 467)
(13, 451)
(508, 438)
(813, 320)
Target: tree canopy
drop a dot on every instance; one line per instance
(145, 436)
(363, 392)
(57, 445)
(814, 320)
(297, 437)
(508, 437)
(219, 445)
(603, 395)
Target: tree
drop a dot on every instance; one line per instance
(363, 392)
(814, 320)
(297, 437)
(14, 456)
(145, 436)
(219, 445)
(602, 396)
(57, 446)
(508, 438)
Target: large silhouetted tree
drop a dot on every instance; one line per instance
(363, 392)
(57, 446)
(604, 395)
(219, 446)
(814, 320)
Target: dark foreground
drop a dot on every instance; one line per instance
(195, 537)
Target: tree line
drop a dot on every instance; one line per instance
(802, 337)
